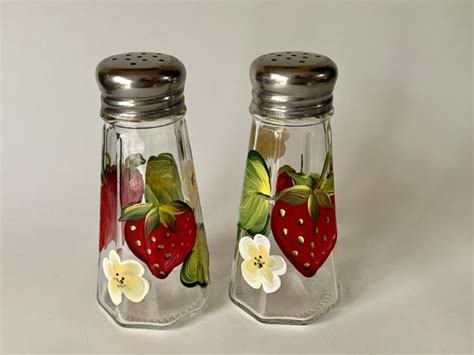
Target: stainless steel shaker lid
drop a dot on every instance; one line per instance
(292, 84)
(141, 86)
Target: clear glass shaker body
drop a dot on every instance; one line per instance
(284, 269)
(153, 257)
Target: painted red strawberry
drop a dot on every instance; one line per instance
(283, 181)
(306, 238)
(162, 230)
(163, 248)
(108, 206)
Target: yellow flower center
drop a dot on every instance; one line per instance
(119, 280)
(258, 261)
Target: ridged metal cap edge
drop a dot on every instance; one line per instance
(292, 85)
(141, 86)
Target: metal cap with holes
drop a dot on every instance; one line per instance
(141, 86)
(292, 85)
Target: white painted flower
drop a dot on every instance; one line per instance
(259, 268)
(124, 277)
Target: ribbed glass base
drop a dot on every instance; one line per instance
(301, 301)
(139, 316)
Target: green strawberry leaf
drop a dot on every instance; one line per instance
(315, 177)
(169, 211)
(150, 196)
(328, 185)
(163, 178)
(301, 179)
(253, 214)
(257, 175)
(286, 169)
(195, 269)
(313, 207)
(134, 160)
(327, 162)
(152, 220)
(256, 196)
(135, 212)
(167, 219)
(175, 208)
(295, 195)
(323, 198)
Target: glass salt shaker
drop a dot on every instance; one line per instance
(153, 256)
(284, 269)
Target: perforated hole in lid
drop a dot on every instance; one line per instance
(140, 59)
(292, 58)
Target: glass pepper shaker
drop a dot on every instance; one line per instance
(153, 256)
(284, 270)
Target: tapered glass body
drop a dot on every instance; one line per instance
(153, 257)
(284, 269)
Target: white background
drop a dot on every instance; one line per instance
(403, 157)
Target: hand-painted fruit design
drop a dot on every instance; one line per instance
(162, 230)
(163, 248)
(131, 184)
(303, 217)
(108, 206)
(131, 191)
(131, 187)
(195, 270)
